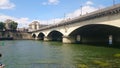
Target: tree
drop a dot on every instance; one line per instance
(2, 25)
(13, 25)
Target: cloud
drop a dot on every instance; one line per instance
(51, 21)
(89, 3)
(22, 22)
(6, 4)
(51, 2)
(84, 10)
(87, 8)
(44, 3)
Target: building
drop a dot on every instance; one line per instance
(10, 24)
(35, 25)
(7, 24)
(22, 29)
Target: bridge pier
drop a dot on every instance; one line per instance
(36, 38)
(110, 39)
(78, 39)
(46, 39)
(68, 39)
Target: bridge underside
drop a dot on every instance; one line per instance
(41, 36)
(33, 36)
(96, 34)
(55, 36)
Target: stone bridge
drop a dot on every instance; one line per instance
(101, 26)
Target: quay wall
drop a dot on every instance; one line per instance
(16, 35)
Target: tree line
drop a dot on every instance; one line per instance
(12, 25)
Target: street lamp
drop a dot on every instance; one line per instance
(81, 10)
(113, 2)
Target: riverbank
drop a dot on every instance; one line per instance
(16, 35)
(5, 38)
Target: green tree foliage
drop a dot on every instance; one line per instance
(2, 25)
(13, 25)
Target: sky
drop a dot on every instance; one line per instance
(48, 11)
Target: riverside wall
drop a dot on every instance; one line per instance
(16, 35)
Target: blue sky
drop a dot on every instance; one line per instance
(47, 11)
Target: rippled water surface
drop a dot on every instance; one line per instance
(39, 54)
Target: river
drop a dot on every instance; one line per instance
(39, 54)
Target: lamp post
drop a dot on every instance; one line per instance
(64, 16)
(113, 2)
(81, 10)
(65, 22)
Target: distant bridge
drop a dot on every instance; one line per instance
(101, 26)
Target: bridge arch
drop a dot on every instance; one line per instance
(96, 33)
(41, 36)
(55, 35)
(34, 36)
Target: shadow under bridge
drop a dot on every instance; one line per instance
(97, 34)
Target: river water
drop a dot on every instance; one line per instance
(39, 54)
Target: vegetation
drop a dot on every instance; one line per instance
(117, 55)
(101, 63)
(13, 25)
(10, 25)
(82, 66)
(2, 25)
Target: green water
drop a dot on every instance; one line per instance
(39, 54)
